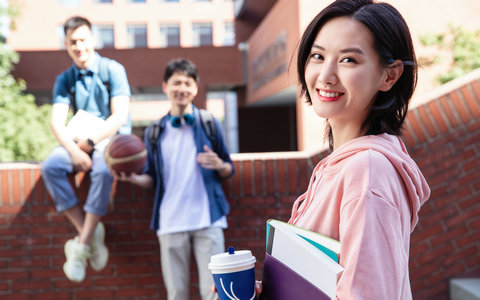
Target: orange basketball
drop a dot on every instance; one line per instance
(125, 153)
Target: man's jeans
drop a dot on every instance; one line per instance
(55, 171)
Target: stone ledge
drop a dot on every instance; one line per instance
(465, 289)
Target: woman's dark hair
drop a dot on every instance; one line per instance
(181, 65)
(392, 41)
(75, 22)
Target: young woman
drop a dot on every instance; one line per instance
(357, 68)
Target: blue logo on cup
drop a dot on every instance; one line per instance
(236, 285)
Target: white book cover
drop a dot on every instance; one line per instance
(304, 258)
(84, 125)
(328, 245)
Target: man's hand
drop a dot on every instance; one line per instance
(85, 146)
(81, 160)
(209, 159)
(142, 180)
(122, 176)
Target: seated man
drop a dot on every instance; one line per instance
(93, 98)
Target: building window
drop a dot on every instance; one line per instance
(103, 1)
(61, 36)
(169, 35)
(229, 38)
(69, 2)
(202, 34)
(105, 36)
(136, 36)
(136, 1)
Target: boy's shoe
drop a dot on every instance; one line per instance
(99, 252)
(77, 255)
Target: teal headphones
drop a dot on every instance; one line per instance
(176, 121)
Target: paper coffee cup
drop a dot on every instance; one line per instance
(234, 274)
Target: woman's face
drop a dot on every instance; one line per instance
(343, 72)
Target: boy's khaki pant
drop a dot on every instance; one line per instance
(175, 252)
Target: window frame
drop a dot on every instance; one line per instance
(131, 43)
(201, 26)
(166, 27)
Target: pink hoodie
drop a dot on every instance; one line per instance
(367, 195)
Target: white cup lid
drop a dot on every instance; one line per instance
(231, 259)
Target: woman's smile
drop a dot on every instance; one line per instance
(328, 96)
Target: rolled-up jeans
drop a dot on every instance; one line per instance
(55, 170)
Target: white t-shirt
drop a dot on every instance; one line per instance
(185, 205)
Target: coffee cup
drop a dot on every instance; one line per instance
(234, 274)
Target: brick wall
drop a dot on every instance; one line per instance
(444, 139)
(442, 135)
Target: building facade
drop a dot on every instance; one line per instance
(442, 136)
(245, 51)
(125, 24)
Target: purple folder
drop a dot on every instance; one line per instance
(282, 283)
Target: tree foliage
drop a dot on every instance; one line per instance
(464, 47)
(25, 133)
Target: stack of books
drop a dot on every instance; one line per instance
(299, 264)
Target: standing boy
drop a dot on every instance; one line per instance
(98, 91)
(190, 208)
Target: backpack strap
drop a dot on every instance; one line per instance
(104, 75)
(209, 126)
(154, 132)
(71, 89)
(104, 72)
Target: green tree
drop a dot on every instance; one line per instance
(464, 47)
(25, 133)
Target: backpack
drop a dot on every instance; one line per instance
(104, 75)
(208, 124)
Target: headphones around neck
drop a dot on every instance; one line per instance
(176, 121)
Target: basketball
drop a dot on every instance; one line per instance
(125, 153)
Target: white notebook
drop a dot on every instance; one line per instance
(303, 257)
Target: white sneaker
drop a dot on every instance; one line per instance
(99, 252)
(77, 255)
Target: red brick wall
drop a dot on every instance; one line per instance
(442, 135)
(444, 138)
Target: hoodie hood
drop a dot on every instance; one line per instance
(393, 148)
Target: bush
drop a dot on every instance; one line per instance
(464, 46)
(25, 133)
